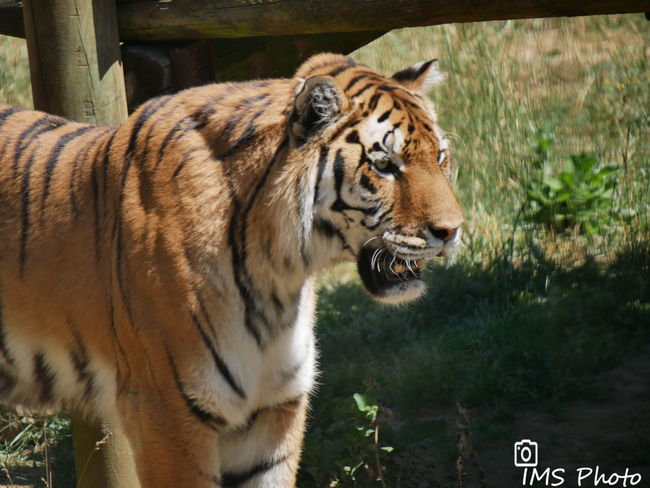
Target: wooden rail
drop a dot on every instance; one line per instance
(158, 20)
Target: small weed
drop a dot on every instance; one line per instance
(343, 448)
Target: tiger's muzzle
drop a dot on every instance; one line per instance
(391, 272)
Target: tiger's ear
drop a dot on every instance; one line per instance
(319, 101)
(421, 76)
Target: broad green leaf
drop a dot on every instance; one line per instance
(568, 179)
(365, 401)
(553, 183)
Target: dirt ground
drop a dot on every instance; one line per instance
(612, 434)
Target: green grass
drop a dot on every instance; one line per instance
(525, 317)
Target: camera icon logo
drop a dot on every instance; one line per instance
(526, 454)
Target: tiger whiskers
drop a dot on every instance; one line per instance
(371, 239)
(375, 258)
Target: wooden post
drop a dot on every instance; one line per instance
(76, 72)
(74, 59)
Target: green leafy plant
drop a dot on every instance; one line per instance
(580, 196)
(342, 448)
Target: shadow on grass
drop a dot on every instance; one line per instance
(488, 338)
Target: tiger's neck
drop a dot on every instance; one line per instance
(277, 248)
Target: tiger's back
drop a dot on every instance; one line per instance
(160, 274)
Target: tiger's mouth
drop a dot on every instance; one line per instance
(388, 278)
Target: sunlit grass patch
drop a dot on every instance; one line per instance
(15, 88)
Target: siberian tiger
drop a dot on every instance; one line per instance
(161, 274)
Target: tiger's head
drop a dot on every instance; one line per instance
(383, 173)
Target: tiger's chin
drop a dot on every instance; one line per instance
(391, 281)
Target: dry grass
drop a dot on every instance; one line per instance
(15, 88)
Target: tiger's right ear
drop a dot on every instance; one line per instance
(319, 102)
(421, 76)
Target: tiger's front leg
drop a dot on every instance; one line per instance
(265, 452)
(172, 448)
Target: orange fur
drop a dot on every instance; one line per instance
(159, 274)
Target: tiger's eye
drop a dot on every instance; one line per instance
(382, 164)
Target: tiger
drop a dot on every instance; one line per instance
(161, 274)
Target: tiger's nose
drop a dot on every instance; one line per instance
(443, 233)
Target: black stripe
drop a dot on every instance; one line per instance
(24, 141)
(7, 113)
(235, 479)
(31, 134)
(25, 191)
(44, 376)
(423, 68)
(151, 109)
(387, 88)
(331, 231)
(369, 85)
(176, 132)
(215, 422)
(56, 153)
(340, 205)
(354, 81)
(252, 418)
(246, 137)
(339, 70)
(322, 162)
(374, 100)
(7, 382)
(80, 362)
(337, 62)
(121, 279)
(184, 159)
(238, 264)
(102, 154)
(240, 253)
(384, 116)
(353, 138)
(367, 184)
(249, 133)
(79, 160)
(380, 220)
(411, 104)
(114, 331)
(339, 173)
(220, 363)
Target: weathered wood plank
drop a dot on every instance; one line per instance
(76, 72)
(74, 59)
(149, 20)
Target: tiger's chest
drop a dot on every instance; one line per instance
(254, 376)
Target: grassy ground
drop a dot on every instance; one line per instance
(527, 317)
(527, 322)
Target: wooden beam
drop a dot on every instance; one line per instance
(154, 69)
(155, 20)
(76, 72)
(279, 56)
